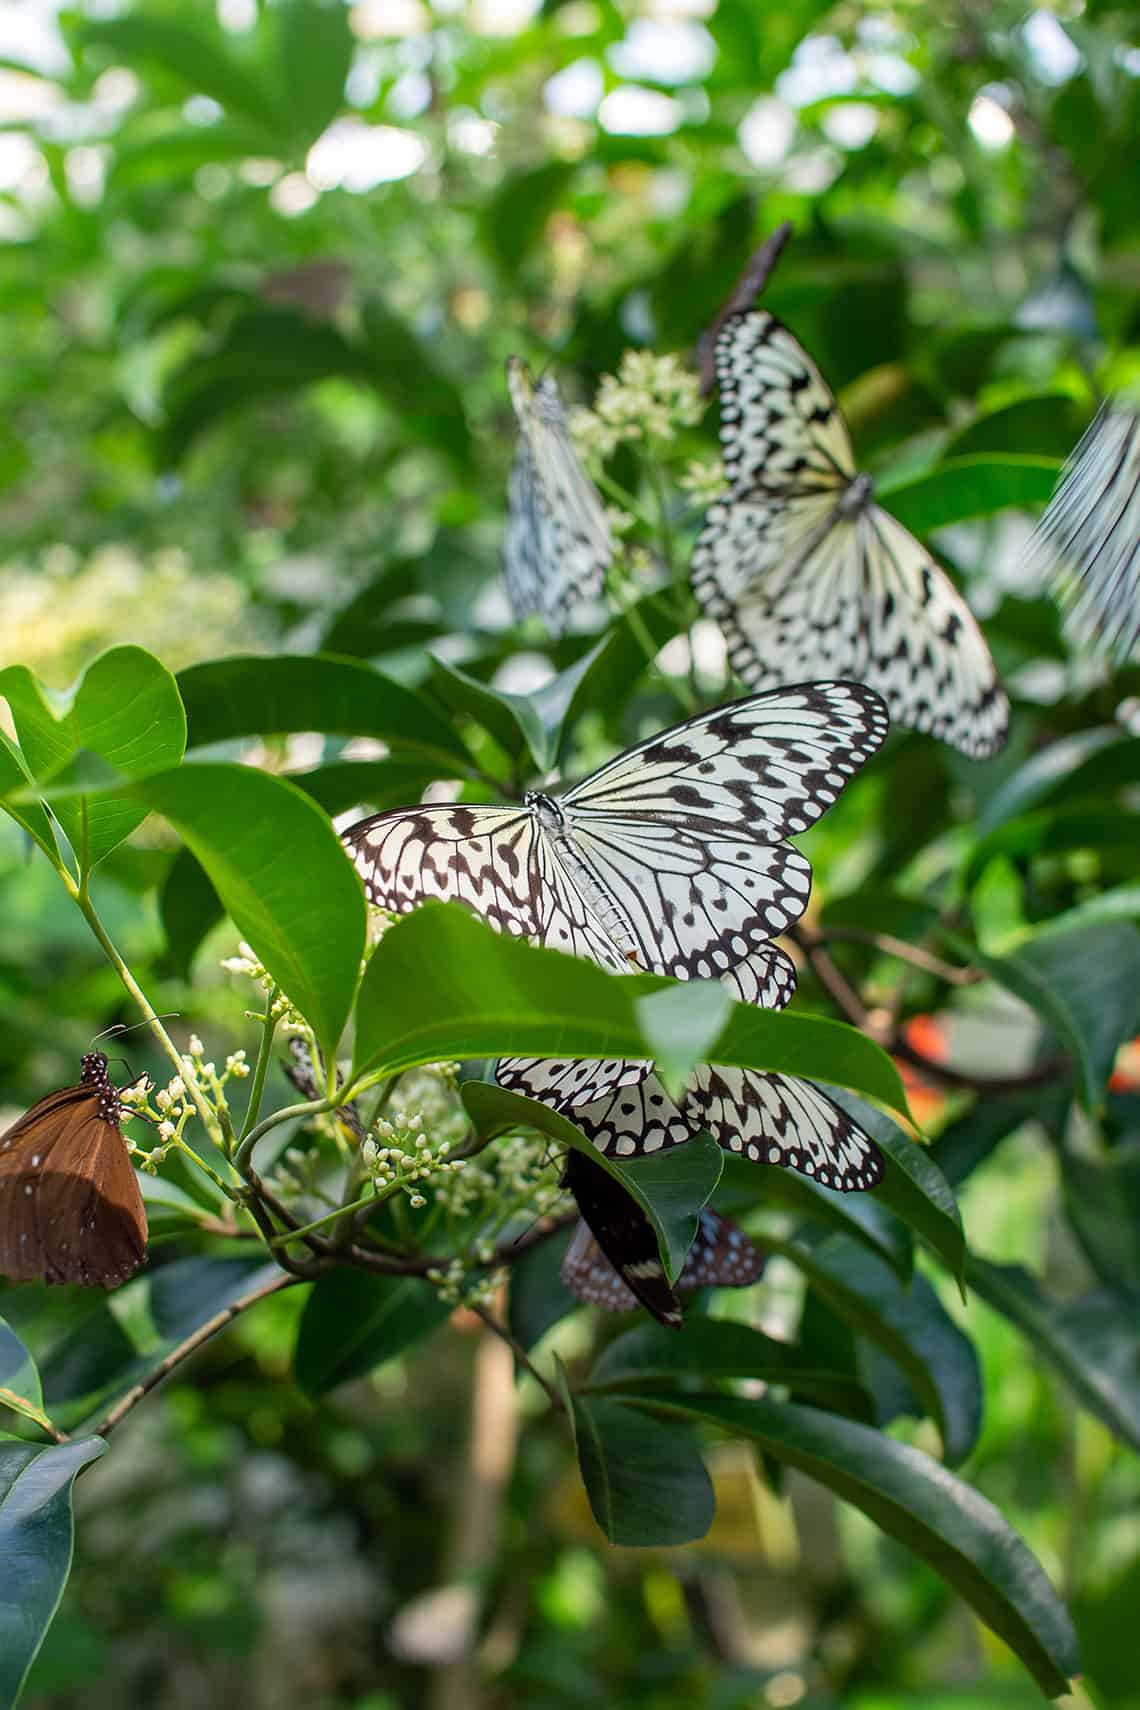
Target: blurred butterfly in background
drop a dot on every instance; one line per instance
(807, 576)
(613, 1259)
(1087, 543)
(557, 546)
(70, 1206)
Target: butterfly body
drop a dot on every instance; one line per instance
(70, 1206)
(807, 575)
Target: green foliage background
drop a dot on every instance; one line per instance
(252, 403)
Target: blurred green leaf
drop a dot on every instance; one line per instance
(646, 1481)
(515, 216)
(911, 1498)
(31, 816)
(1056, 832)
(249, 695)
(354, 1322)
(402, 368)
(719, 1348)
(970, 487)
(538, 1298)
(282, 877)
(189, 907)
(1093, 1342)
(1058, 769)
(188, 56)
(1084, 983)
(315, 44)
(35, 1547)
(1047, 426)
(1102, 1199)
(908, 1323)
(19, 1379)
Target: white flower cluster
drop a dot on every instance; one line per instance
(703, 480)
(398, 1154)
(645, 403)
(454, 1283)
(246, 962)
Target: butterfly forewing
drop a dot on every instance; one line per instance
(70, 1206)
(558, 545)
(806, 576)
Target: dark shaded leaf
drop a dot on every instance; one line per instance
(646, 1481)
(354, 1322)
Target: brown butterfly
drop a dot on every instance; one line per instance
(70, 1206)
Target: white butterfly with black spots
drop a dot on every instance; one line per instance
(807, 576)
(766, 1118)
(670, 858)
(1088, 540)
(558, 545)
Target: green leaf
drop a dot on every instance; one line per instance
(249, 695)
(603, 677)
(537, 1296)
(466, 991)
(859, 1215)
(970, 487)
(189, 907)
(681, 1026)
(14, 775)
(126, 710)
(1045, 426)
(402, 369)
(354, 1322)
(263, 353)
(670, 1187)
(191, 58)
(914, 1187)
(719, 1348)
(914, 1499)
(344, 784)
(908, 1324)
(513, 219)
(510, 719)
(281, 874)
(1060, 770)
(646, 1481)
(1093, 1342)
(35, 1548)
(1084, 983)
(19, 1379)
(1102, 1199)
(1053, 832)
(315, 46)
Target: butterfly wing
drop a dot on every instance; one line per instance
(721, 1256)
(588, 1274)
(558, 544)
(775, 1119)
(682, 836)
(1088, 540)
(625, 1235)
(490, 858)
(807, 578)
(70, 1206)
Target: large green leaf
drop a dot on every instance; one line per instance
(970, 487)
(909, 1324)
(36, 1532)
(646, 1480)
(1064, 771)
(1084, 983)
(197, 61)
(1056, 832)
(914, 1187)
(14, 776)
(281, 875)
(914, 1499)
(670, 1187)
(465, 991)
(720, 1348)
(126, 710)
(249, 695)
(1102, 1198)
(354, 1321)
(1093, 1342)
(745, 1188)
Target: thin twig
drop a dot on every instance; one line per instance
(191, 1344)
(904, 952)
(520, 1353)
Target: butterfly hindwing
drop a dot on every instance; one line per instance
(808, 577)
(721, 1256)
(625, 1235)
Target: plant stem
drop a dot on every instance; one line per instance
(313, 1107)
(184, 1349)
(261, 1067)
(365, 1203)
(519, 1352)
(82, 897)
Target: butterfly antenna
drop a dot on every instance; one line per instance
(118, 1028)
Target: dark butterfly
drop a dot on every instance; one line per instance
(70, 1206)
(612, 1260)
